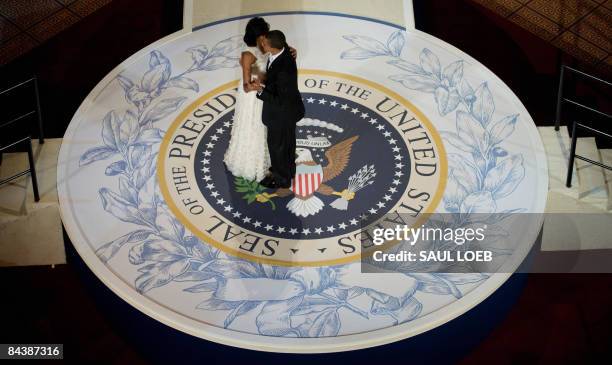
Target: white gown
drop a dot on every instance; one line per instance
(247, 155)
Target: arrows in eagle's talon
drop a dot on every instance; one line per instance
(346, 194)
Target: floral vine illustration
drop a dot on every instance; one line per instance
(482, 171)
(489, 173)
(134, 140)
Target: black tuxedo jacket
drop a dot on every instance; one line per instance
(281, 97)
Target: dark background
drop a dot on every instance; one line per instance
(535, 319)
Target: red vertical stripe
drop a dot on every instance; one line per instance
(312, 183)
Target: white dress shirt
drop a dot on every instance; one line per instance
(273, 57)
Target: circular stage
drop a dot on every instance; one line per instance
(395, 122)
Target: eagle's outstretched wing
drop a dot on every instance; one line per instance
(337, 158)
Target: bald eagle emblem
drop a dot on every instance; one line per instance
(311, 179)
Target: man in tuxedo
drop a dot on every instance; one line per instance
(282, 109)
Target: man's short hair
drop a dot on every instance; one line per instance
(276, 38)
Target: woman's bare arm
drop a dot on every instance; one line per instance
(246, 61)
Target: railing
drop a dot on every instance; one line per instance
(561, 99)
(575, 125)
(573, 155)
(32, 170)
(34, 81)
(27, 141)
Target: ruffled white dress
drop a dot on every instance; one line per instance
(247, 155)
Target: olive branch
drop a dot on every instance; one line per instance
(251, 189)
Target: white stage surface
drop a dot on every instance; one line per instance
(150, 208)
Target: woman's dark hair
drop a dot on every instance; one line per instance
(255, 27)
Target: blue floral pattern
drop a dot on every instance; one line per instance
(291, 302)
(483, 171)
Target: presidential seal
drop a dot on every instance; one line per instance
(363, 153)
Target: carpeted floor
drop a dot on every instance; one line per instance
(582, 28)
(26, 24)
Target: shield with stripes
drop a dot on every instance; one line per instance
(307, 180)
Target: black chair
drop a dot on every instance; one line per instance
(13, 135)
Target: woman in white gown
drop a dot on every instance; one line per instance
(247, 155)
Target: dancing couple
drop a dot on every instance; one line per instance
(268, 106)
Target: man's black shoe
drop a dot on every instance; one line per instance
(268, 182)
(283, 184)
